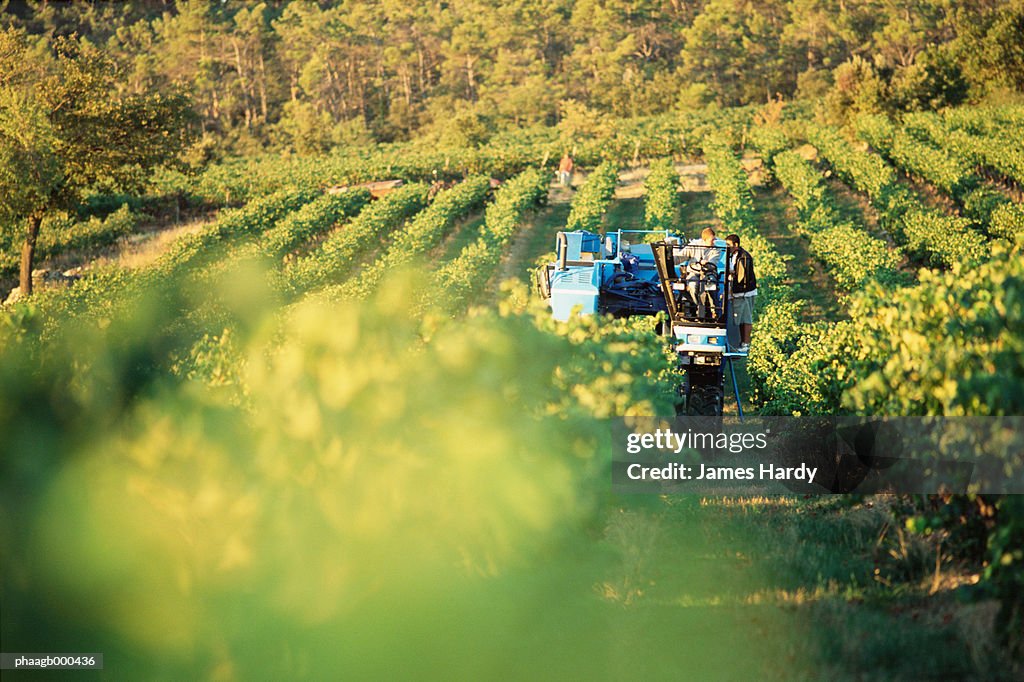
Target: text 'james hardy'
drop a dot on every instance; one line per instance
(702, 472)
(768, 471)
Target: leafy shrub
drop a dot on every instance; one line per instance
(460, 279)
(591, 201)
(661, 197)
(419, 235)
(336, 256)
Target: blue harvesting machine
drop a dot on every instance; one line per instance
(642, 272)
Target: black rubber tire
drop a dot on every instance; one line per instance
(704, 401)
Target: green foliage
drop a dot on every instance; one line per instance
(334, 259)
(946, 345)
(929, 234)
(591, 201)
(980, 138)
(344, 468)
(949, 343)
(330, 453)
(778, 332)
(29, 170)
(661, 197)
(865, 172)
(578, 121)
(1007, 221)
(769, 141)
(231, 226)
(852, 255)
(947, 239)
(936, 79)
(734, 206)
(1005, 571)
(989, 46)
(734, 48)
(315, 217)
(947, 172)
(777, 327)
(928, 79)
(986, 137)
(807, 188)
(214, 361)
(65, 127)
(237, 180)
(310, 131)
(279, 241)
(857, 89)
(734, 201)
(61, 234)
(307, 79)
(418, 236)
(461, 279)
(950, 168)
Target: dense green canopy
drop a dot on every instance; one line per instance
(307, 75)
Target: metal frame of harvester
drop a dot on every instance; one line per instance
(592, 274)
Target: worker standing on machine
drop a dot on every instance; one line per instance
(697, 254)
(743, 289)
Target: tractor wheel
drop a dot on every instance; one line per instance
(704, 401)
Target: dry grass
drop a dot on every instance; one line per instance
(142, 248)
(134, 251)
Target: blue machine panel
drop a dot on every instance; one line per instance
(580, 242)
(572, 287)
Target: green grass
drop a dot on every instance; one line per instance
(465, 233)
(807, 277)
(791, 585)
(625, 214)
(538, 238)
(697, 214)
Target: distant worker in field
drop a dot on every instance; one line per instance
(743, 289)
(565, 170)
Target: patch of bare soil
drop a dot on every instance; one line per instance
(692, 178)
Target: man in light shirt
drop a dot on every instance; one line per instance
(695, 255)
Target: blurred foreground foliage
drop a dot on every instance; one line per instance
(316, 490)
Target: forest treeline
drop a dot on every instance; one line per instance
(310, 75)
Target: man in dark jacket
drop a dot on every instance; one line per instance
(743, 289)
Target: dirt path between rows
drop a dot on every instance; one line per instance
(692, 178)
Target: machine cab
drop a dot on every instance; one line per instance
(693, 279)
(614, 274)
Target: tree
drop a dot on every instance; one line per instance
(991, 46)
(190, 42)
(734, 47)
(64, 128)
(29, 170)
(858, 89)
